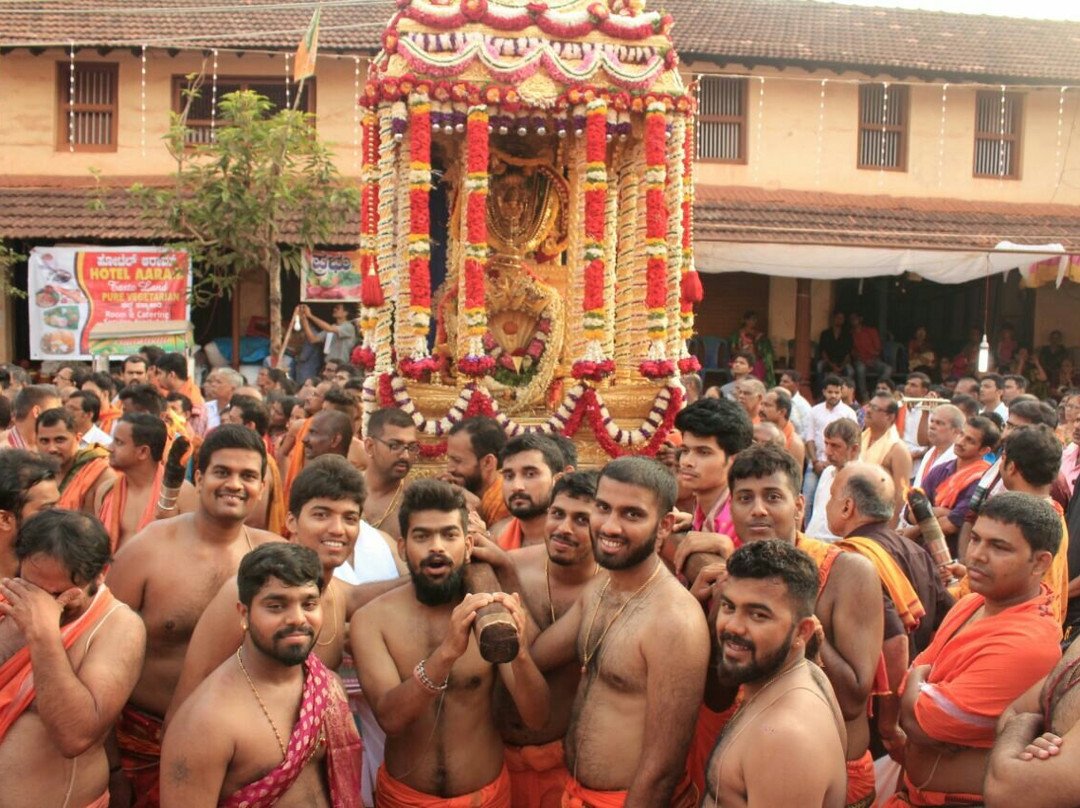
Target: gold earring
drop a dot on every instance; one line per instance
(243, 625)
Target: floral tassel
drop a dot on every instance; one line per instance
(594, 364)
(476, 362)
(371, 293)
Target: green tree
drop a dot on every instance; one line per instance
(8, 259)
(264, 190)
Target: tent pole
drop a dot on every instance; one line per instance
(802, 332)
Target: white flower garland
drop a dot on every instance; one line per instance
(674, 196)
(385, 236)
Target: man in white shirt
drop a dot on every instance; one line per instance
(800, 407)
(841, 447)
(991, 389)
(219, 387)
(821, 415)
(85, 408)
(946, 424)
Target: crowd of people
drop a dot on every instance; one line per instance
(247, 595)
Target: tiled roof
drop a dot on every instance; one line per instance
(753, 215)
(743, 32)
(34, 210)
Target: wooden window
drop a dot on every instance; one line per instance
(883, 127)
(998, 123)
(200, 118)
(721, 123)
(88, 108)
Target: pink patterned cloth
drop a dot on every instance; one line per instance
(324, 719)
(719, 521)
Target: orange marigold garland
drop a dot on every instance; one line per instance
(419, 363)
(656, 365)
(371, 293)
(594, 365)
(475, 361)
(692, 291)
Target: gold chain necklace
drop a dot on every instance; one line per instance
(393, 503)
(273, 726)
(586, 653)
(333, 613)
(547, 580)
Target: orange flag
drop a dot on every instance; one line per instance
(307, 50)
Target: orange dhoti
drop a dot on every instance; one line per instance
(860, 782)
(138, 735)
(538, 774)
(578, 796)
(390, 793)
(908, 796)
(708, 728)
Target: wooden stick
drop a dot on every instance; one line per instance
(285, 338)
(694, 563)
(494, 627)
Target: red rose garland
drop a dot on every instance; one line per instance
(475, 361)
(594, 364)
(419, 363)
(657, 365)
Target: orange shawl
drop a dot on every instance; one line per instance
(903, 594)
(954, 485)
(978, 669)
(191, 390)
(492, 507)
(511, 536)
(17, 675)
(108, 417)
(89, 465)
(112, 507)
(391, 793)
(296, 459)
(277, 506)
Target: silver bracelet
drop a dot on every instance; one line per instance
(421, 676)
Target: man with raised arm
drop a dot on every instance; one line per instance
(766, 504)
(642, 643)
(271, 725)
(170, 571)
(789, 713)
(422, 673)
(70, 654)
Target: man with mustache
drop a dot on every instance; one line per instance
(207, 545)
(992, 647)
(392, 447)
(287, 731)
(529, 465)
(766, 504)
(421, 670)
(472, 461)
(84, 473)
(642, 643)
(764, 623)
(60, 691)
(550, 577)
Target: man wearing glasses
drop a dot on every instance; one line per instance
(391, 448)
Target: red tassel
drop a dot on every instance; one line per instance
(692, 290)
(371, 294)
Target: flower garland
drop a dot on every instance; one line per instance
(384, 244)
(657, 365)
(580, 403)
(674, 197)
(594, 363)
(691, 288)
(371, 294)
(419, 363)
(475, 362)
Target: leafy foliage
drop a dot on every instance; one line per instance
(8, 259)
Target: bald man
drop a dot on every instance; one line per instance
(765, 432)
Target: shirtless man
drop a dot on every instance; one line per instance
(240, 736)
(550, 578)
(324, 514)
(170, 571)
(421, 670)
(61, 626)
(765, 620)
(136, 454)
(643, 646)
(27, 486)
(529, 465)
(766, 504)
(883, 446)
(29, 403)
(84, 473)
(391, 448)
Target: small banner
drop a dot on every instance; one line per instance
(76, 290)
(331, 276)
(307, 50)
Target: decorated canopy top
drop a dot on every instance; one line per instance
(527, 214)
